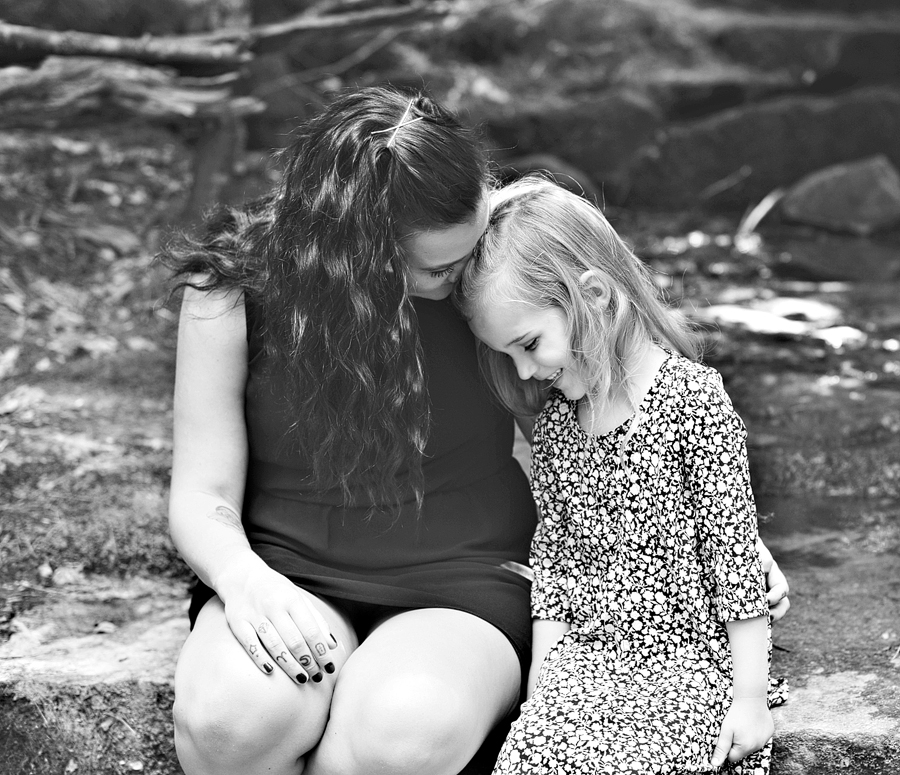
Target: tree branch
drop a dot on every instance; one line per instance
(225, 48)
(32, 42)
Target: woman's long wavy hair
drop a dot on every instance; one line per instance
(322, 259)
(546, 246)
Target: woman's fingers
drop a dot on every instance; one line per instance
(278, 653)
(315, 636)
(777, 593)
(246, 635)
(779, 609)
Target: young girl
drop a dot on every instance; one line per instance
(650, 640)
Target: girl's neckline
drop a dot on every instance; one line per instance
(616, 430)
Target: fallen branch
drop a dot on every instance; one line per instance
(30, 43)
(223, 48)
(64, 90)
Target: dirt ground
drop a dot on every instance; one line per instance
(86, 355)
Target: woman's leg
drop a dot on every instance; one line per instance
(232, 718)
(418, 696)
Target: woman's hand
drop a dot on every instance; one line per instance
(746, 728)
(275, 621)
(776, 583)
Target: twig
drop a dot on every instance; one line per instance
(341, 65)
(753, 218)
(351, 20)
(729, 181)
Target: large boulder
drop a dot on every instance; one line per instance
(859, 197)
(780, 141)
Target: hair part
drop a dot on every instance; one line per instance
(547, 247)
(321, 259)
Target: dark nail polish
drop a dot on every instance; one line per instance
(329, 668)
(267, 667)
(301, 678)
(333, 640)
(317, 678)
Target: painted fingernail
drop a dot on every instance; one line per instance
(301, 678)
(333, 640)
(329, 668)
(267, 667)
(317, 678)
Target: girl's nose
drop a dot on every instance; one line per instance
(525, 369)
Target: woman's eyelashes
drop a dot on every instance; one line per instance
(530, 346)
(442, 272)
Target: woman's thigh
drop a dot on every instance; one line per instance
(419, 695)
(231, 717)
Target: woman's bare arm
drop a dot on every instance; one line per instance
(264, 609)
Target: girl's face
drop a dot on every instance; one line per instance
(436, 258)
(536, 339)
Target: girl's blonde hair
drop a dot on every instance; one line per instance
(550, 248)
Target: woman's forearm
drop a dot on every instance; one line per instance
(208, 534)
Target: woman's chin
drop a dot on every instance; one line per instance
(435, 294)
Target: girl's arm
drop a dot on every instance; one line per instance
(545, 633)
(209, 468)
(748, 724)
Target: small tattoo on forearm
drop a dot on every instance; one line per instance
(228, 517)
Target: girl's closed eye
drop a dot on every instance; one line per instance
(531, 345)
(442, 272)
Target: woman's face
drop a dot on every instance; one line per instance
(436, 258)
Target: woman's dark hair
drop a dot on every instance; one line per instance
(321, 258)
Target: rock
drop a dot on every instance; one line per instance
(859, 197)
(597, 134)
(567, 175)
(836, 258)
(780, 140)
(93, 695)
(757, 321)
(815, 46)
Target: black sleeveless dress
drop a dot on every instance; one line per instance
(478, 512)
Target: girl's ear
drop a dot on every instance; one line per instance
(595, 283)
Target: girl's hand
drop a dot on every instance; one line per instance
(275, 621)
(776, 583)
(747, 727)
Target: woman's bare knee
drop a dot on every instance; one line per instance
(418, 697)
(231, 718)
(413, 724)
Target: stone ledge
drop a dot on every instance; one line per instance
(100, 703)
(86, 681)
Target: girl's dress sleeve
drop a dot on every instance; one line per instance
(715, 451)
(552, 545)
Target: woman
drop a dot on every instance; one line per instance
(343, 485)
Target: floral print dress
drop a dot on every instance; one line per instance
(646, 547)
